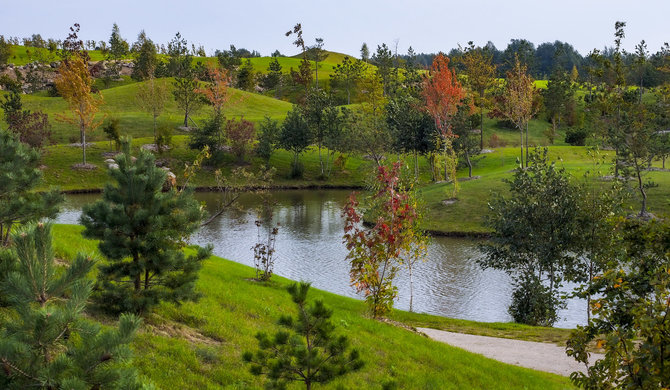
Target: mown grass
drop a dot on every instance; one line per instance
(199, 345)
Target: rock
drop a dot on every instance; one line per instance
(113, 166)
(449, 201)
(110, 161)
(87, 167)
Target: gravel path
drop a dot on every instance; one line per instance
(538, 356)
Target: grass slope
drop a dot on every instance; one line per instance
(199, 345)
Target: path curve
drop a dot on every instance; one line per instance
(530, 354)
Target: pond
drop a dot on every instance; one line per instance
(309, 247)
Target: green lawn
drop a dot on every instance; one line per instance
(199, 345)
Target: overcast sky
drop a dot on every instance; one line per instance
(427, 25)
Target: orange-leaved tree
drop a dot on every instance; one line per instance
(215, 90)
(74, 83)
(376, 254)
(443, 94)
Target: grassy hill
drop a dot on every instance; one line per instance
(199, 345)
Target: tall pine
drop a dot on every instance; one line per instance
(142, 231)
(19, 175)
(45, 343)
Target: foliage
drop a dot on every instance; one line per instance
(146, 58)
(151, 97)
(308, 352)
(295, 136)
(74, 83)
(465, 142)
(143, 231)
(267, 138)
(480, 72)
(5, 50)
(533, 235)
(376, 254)
(210, 135)
(185, 93)
(412, 128)
(241, 134)
(273, 79)
(246, 78)
(443, 94)
(111, 129)
(266, 237)
(215, 90)
(19, 175)
(46, 343)
(576, 136)
(630, 314)
(347, 73)
(317, 104)
(32, 128)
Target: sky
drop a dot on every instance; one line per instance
(428, 26)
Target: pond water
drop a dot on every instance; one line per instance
(309, 247)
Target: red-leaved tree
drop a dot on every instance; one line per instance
(376, 254)
(443, 93)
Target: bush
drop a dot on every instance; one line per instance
(163, 139)
(576, 136)
(496, 142)
(533, 303)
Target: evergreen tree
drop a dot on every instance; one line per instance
(143, 231)
(295, 136)
(274, 76)
(308, 352)
(47, 344)
(19, 175)
(146, 60)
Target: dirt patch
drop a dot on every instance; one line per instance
(78, 145)
(85, 167)
(154, 147)
(110, 154)
(449, 201)
(182, 332)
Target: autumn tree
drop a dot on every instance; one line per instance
(443, 94)
(74, 83)
(516, 103)
(151, 97)
(480, 72)
(241, 135)
(376, 254)
(348, 73)
(215, 90)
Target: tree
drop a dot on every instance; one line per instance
(143, 231)
(146, 59)
(274, 77)
(211, 135)
(118, 47)
(74, 84)
(365, 53)
(242, 135)
(411, 126)
(516, 103)
(266, 237)
(5, 51)
(33, 128)
(246, 79)
(151, 97)
(179, 64)
(317, 55)
(559, 98)
(465, 142)
(304, 74)
(480, 74)
(383, 59)
(185, 92)
(371, 134)
(45, 343)
(376, 254)
(533, 233)
(348, 73)
(443, 94)
(295, 136)
(267, 138)
(111, 129)
(313, 112)
(308, 351)
(19, 176)
(215, 90)
(630, 314)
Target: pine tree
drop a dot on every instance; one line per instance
(46, 344)
(143, 231)
(19, 175)
(308, 352)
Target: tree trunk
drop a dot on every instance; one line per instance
(416, 165)
(481, 122)
(138, 277)
(320, 159)
(521, 143)
(526, 144)
(82, 130)
(446, 177)
(186, 119)
(640, 185)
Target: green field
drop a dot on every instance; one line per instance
(199, 345)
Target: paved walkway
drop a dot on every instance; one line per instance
(538, 356)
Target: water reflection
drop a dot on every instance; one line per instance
(309, 247)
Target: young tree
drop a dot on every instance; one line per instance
(74, 83)
(308, 351)
(317, 55)
(533, 238)
(46, 343)
(304, 74)
(185, 92)
(111, 129)
(241, 135)
(33, 128)
(365, 53)
(143, 231)
(348, 73)
(266, 237)
(516, 103)
(480, 72)
(316, 104)
(19, 175)
(376, 254)
(383, 59)
(146, 58)
(215, 90)
(369, 133)
(295, 136)
(443, 94)
(274, 77)
(465, 142)
(151, 97)
(5, 51)
(267, 138)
